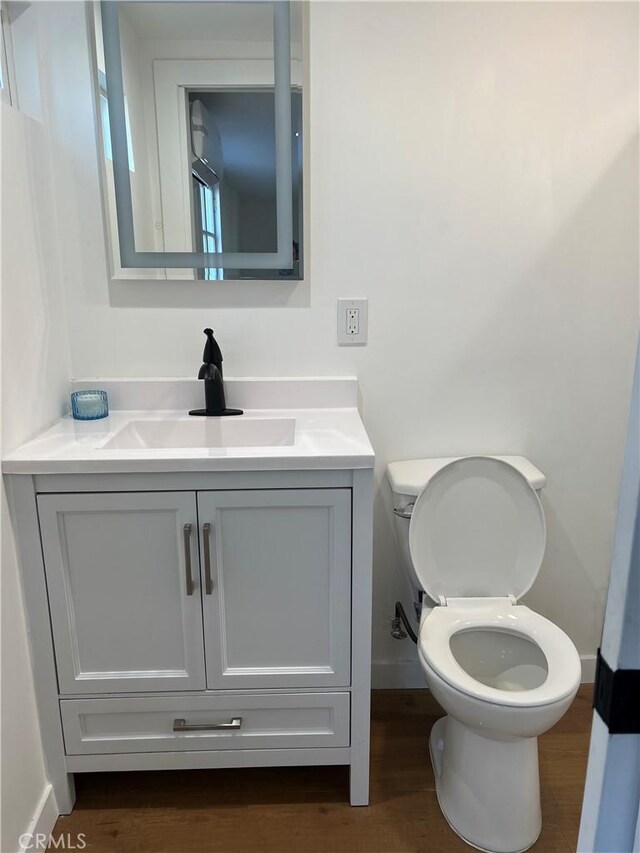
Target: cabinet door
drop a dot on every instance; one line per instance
(277, 607)
(124, 616)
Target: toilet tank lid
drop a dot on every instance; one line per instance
(410, 476)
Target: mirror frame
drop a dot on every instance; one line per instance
(282, 258)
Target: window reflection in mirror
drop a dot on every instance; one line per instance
(198, 82)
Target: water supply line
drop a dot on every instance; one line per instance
(398, 632)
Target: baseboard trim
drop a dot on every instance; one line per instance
(588, 669)
(408, 675)
(41, 824)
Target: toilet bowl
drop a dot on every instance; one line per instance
(474, 536)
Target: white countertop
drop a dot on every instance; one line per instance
(324, 439)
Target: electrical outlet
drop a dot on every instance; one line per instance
(352, 321)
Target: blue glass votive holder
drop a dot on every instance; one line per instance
(89, 405)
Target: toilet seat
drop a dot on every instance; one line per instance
(442, 623)
(477, 529)
(477, 537)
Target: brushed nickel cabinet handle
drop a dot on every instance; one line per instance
(206, 542)
(186, 537)
(181, 725)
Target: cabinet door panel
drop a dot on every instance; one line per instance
(279, 611)
(116, 573)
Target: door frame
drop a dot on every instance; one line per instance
(611, 807)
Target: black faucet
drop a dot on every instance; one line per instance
(211, 372)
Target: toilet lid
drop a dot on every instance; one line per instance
(477, 530)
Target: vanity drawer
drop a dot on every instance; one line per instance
(153, 724)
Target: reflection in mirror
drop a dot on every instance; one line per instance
(202, 140)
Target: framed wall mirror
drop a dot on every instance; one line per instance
(201, 137)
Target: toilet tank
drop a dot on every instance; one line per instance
(407, 479)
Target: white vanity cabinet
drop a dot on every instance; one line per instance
(195, 599)
(194, 619)
(129, 585)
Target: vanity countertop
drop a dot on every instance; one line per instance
(320, 438)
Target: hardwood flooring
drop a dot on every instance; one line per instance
(306, 809)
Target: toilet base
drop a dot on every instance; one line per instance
(488, 790)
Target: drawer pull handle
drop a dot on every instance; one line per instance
(186, 538)
(206, 541)
(181, 725)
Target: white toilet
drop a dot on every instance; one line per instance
(473, 535)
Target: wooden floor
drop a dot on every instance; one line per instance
(307, 809)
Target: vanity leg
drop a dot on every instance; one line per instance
(361, 635)
(359, 777)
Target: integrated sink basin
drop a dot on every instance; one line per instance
(178, 433)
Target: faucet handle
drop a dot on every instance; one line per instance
(212, 353)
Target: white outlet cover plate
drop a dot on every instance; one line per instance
(346, 337)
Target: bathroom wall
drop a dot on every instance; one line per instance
(35, 376)
(474, 173)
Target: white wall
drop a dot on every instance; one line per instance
(473, 172)
(35, 378)
(35, 381)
